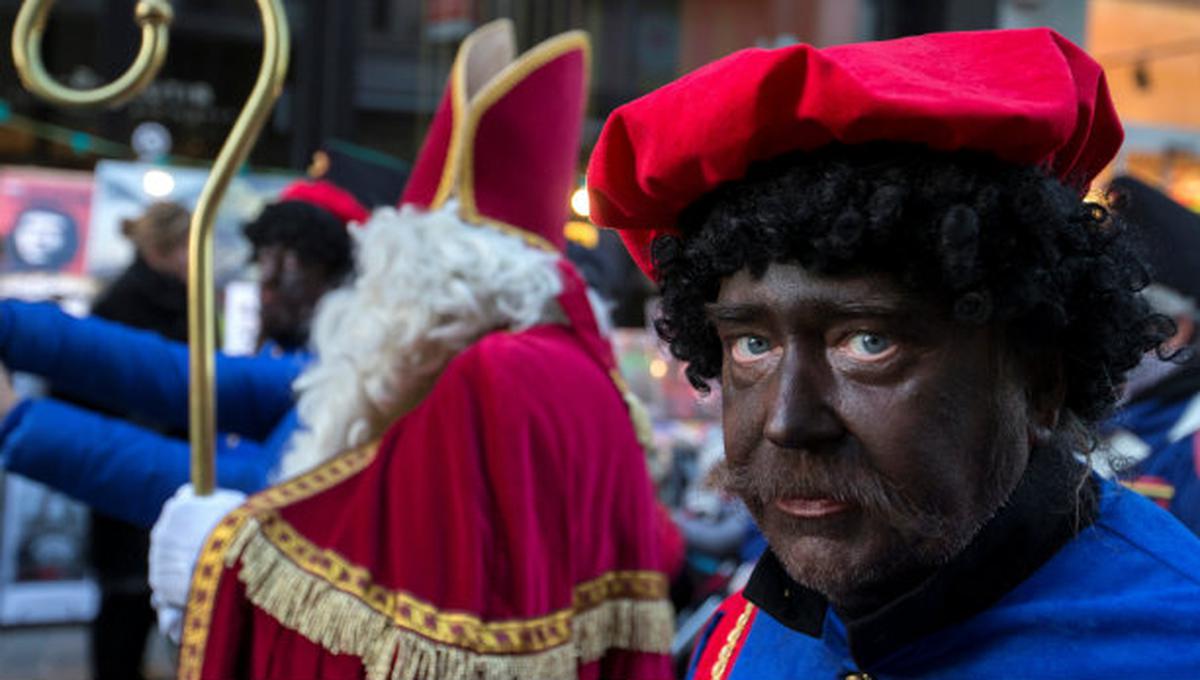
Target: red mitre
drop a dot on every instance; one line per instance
(329, 196)
(494, 146)
(1029, 97)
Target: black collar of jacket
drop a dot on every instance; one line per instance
(1045, 511)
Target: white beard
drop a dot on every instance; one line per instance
(429, 285)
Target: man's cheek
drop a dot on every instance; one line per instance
(877, 421)
(741, 419)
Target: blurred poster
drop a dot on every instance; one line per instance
(124, 189)
(44, 216)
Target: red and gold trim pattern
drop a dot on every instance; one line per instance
(497, 37)
(201, 596)
(733, 644)
(315, 481)
(229, 536)
(336, 603)
(462, 630)
(1157, 489)
(727, 639)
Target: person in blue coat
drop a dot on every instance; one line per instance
(302, 250)
(883, 254)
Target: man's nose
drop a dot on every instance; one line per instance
(800, 414)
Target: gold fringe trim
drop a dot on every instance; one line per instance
(344, 624)
(228, 539)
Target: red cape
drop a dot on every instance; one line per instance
(505, 528)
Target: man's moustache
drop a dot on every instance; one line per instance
(798, 475)
(769, 476)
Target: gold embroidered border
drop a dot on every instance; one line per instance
(229, 536)
(343, 624)
(530, 238)
(458, 107)
(315, 481)
(731, 641)
(202, 594)
(461, 630)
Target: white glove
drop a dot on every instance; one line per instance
(175, 543)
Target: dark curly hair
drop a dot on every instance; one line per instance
(992, 242)
(314, 234)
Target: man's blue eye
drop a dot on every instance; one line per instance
(750, 347)
(869, 344)
(756, 345)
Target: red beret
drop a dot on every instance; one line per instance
(1029, 96)
(327, 195)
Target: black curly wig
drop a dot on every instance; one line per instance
(992, 242)
(313, 233)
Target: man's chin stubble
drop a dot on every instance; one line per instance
(905, 562)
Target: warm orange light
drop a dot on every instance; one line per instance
(658, 368)
(582, 233)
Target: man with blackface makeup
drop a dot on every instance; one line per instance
(882, 254)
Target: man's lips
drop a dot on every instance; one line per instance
(811, 507)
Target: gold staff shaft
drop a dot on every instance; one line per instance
(154, 16)
(201, 296)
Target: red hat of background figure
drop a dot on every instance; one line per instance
(1029, 97)
(324, 194)
(504, 142)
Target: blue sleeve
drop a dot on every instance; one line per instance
(1178, 466)
(120, 469)
(139, 372)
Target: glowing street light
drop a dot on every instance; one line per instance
(579, 202)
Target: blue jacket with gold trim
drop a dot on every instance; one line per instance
(1120, 600)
